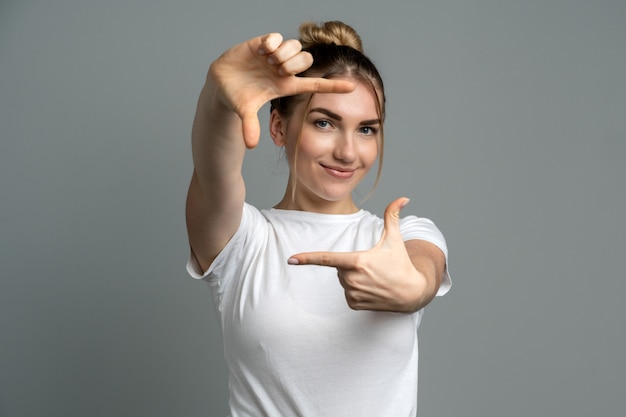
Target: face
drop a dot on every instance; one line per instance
(339, 142)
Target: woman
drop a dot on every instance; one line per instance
(319, 301)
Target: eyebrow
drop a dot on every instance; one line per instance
(337, 117)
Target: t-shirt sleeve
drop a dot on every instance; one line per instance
(421, 228)
(231, 251)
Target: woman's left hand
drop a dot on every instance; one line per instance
(394, 275)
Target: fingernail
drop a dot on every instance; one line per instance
(271, 61)
(405, 202)
(261, 51)
(292, 261)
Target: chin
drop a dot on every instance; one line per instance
(336, 197)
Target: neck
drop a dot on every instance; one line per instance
(298, 201)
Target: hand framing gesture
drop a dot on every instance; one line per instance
(392, 276)
(261, 69)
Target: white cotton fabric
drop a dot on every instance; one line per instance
(292, 344)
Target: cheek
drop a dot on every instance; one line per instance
(369, 153)
(310, 148)
(301, 155)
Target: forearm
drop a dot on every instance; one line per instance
(216, 192)
(217, 144)
(421, 291)
(429, 264)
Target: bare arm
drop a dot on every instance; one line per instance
(430, 263)
(238, 84)
(217, 192)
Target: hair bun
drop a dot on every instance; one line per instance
(328, 33)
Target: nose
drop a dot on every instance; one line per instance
(345, 148)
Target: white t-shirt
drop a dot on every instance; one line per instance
(292, 344)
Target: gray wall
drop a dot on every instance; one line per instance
(506, 126)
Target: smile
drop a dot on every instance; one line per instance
(338, 172)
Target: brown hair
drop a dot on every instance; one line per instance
(337, 51)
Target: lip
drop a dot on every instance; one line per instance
(338, 172)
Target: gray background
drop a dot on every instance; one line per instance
(506, 126)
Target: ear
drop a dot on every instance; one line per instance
(277, 128)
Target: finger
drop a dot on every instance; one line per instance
(285, 51)
(266, 44)
(251, 129)
(333, 259)
(392, 215)
(341, 279)
(296, 64)
(323, 85)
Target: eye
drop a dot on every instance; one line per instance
(368, 130)
(322, 124)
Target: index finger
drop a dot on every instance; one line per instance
(323, 85)
(333, 259)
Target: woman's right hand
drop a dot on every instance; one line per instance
(261, 69)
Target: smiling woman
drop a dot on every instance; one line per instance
(308, 292)
(331, 151)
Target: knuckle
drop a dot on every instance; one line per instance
(325, 259)
(361, 262)
(274, 39)
(354, 300)
(350, 280)
(343, 283)
(293, 44)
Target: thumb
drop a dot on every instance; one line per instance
(251, 129)
(392, 216)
